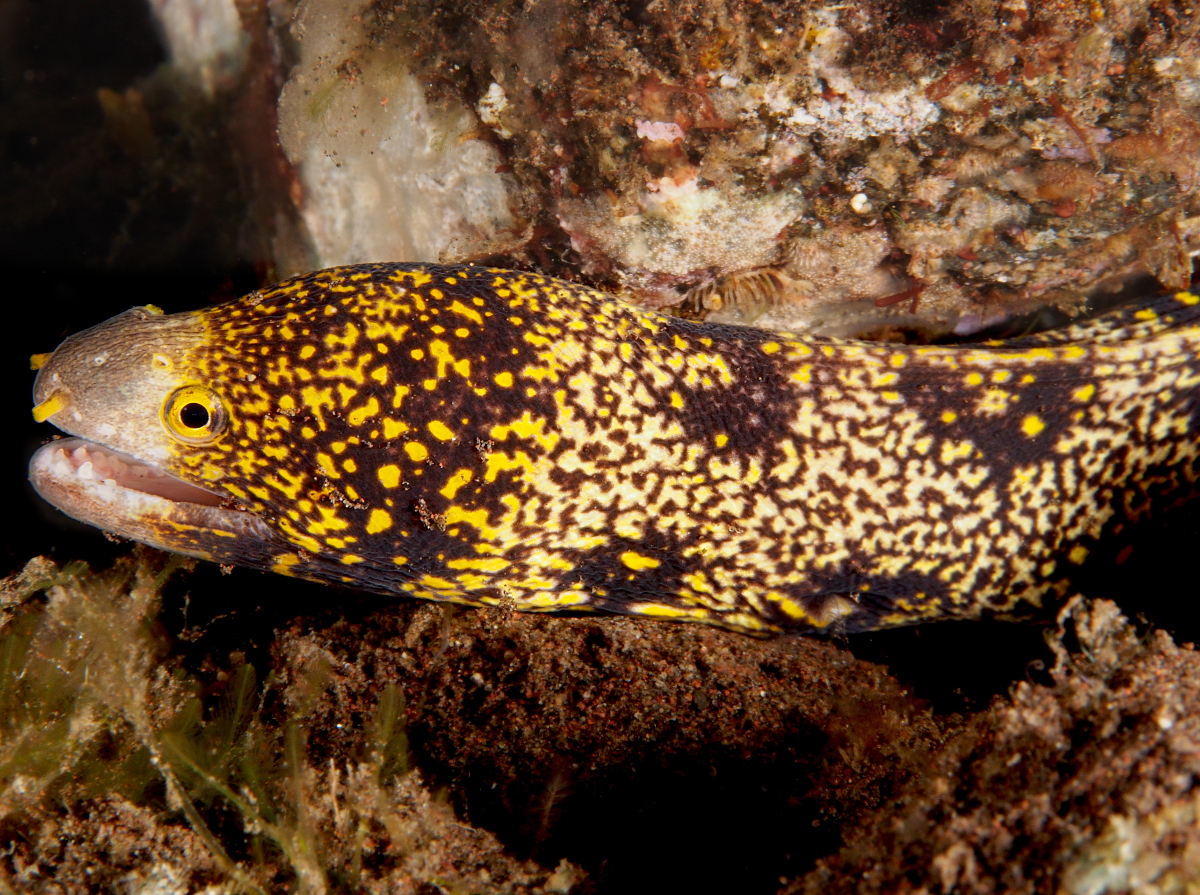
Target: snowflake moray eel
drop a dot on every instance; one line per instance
(498, 438)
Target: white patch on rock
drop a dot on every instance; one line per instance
(850, 113)
(682, 228)
(660, 131)
(386, 175)
(858, 115)
(204, 38)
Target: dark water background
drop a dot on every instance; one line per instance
(87, 230)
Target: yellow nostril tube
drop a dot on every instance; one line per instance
(37, 361)
(49, 407)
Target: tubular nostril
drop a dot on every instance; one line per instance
(49, 407)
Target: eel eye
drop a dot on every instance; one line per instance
(193, 414)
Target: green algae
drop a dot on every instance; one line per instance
(90, 706)
(123, 768)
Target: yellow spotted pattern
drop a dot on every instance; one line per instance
(491, 438)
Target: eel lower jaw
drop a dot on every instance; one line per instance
(134, 499)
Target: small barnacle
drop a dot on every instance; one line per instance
(491, 109)
(1088, 61)
(809, 256)
(971, 220)
(742, 297)
(1063, 137)
(963, 99)
(977, 212)
(998, 58)
(839, 256)
(986, 160)
(843, 263)
(890, 162)
(831, 266)
(786, 151)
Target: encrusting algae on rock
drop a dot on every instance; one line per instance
(1007, 157)
(494, 438)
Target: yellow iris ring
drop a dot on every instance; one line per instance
(193, 414)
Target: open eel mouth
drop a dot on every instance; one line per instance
(135, 499)
(81, 462)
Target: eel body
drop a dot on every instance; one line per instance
(496, 438)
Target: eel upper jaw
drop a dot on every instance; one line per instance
(134, 499)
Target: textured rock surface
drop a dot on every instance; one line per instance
(1082, 786)
(384, 173)
(799, 165)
